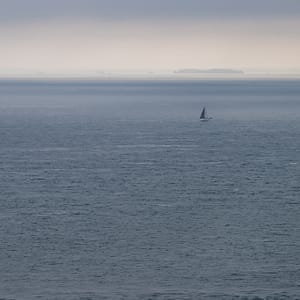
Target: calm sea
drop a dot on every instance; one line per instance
(115, 190)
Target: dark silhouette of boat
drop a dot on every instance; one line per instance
(203, 116)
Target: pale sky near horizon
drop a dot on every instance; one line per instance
(58, 36)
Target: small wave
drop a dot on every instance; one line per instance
(158, 146)
(51, 149)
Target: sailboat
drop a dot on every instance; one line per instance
(203, 116)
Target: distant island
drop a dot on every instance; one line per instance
(209, 71)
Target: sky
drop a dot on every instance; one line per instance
(77, 36)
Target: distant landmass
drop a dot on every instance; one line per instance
(209, 71)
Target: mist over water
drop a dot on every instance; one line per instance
(115, 190)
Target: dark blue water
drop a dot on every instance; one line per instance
(115, 190)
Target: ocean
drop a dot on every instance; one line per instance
(113, 189)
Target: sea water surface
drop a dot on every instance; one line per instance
(115, 190)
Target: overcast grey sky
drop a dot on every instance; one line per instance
(60, 35)
(19, 10)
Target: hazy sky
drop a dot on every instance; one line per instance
(75, 35)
